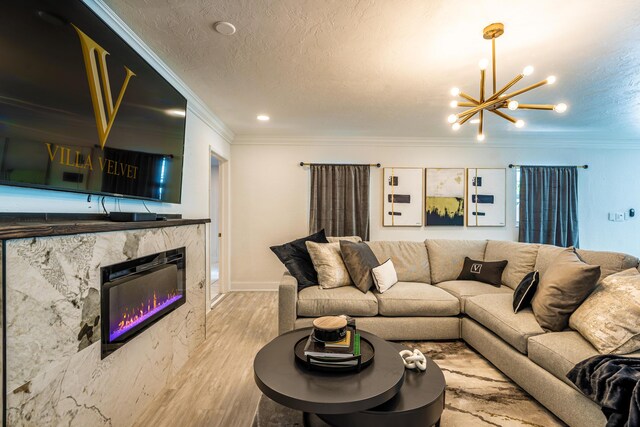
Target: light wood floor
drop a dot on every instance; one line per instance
(216, 386)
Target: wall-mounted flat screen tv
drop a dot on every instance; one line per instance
(80, 110)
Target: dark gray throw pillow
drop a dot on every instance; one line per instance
(359, 259)
(483, 271)
(563, 286)
(524, 292)
(295, 257)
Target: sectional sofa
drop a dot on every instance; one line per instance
(428, 303)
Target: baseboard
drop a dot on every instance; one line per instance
(254, 286)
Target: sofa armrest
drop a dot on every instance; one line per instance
(287, 303)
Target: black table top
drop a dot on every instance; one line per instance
(420, 389)
(287, 382)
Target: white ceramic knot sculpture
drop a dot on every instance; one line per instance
(414, 359)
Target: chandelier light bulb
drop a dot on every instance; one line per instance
(455, 126)
(483, 64)
(560, 108)
(452, 118)
(480, 137)
(519, 123)
(455, 91)
(528, 70)
(453, 104)
(551, 80)
(513, 105)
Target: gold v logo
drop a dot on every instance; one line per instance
(104, 119)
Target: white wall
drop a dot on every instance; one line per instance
(271, 195)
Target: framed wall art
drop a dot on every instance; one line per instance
(486, 197)
(444, 196)
(402, 193)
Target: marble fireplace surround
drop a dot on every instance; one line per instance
(54, 374)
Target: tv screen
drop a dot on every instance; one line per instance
(80, 110)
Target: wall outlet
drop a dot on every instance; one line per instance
(619, 216)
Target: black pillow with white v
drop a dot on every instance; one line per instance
(523, 294)
(483, 271)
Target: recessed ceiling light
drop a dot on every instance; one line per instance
(176, 113)
(263, 118)
(224, 28)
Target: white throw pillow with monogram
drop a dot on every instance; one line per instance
(610, 317)
(384, 276)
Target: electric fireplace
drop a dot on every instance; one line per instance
(137, 293)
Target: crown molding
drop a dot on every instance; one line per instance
(194, 103)
(521, 142)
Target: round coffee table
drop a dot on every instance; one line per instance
(287, 382)
(373, 397)
(419, 403)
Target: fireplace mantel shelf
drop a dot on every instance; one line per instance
(26, 229)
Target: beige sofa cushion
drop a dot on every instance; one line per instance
(495, 312)
(409, 259)
(328, 262)
(315, 301)
(463, 289)
(354, 239)
(610, 317)
(559, 352)
(609, 262)
(546, 255)
(446, 257)
(521, 259)
(416, 299)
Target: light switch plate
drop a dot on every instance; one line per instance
(619, 216)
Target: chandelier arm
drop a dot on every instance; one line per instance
(481, 122)
(481, 87)
(493, 55)
(535, 107)
(504, 116)
(469, 98)
(526, 89)
(515, 80)
(463, 121)
(482, 106)
(467, 104)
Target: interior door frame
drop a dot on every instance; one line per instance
(223, 225)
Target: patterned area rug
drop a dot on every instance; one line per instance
(478, 394)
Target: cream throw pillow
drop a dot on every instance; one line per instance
(610, 318)
(327, 260)
(384, 276)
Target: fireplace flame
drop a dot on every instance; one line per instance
(133, 316)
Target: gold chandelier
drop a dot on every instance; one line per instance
(499, 99)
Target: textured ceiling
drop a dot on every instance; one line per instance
(384, 68)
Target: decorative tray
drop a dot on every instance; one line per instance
(355, 363)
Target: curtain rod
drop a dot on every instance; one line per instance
(341, 164)
(578, 166)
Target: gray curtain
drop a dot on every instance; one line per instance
(549, 205)
(340, 200)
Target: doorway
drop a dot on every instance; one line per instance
(215, 201)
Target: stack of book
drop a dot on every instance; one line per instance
(339, 353)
